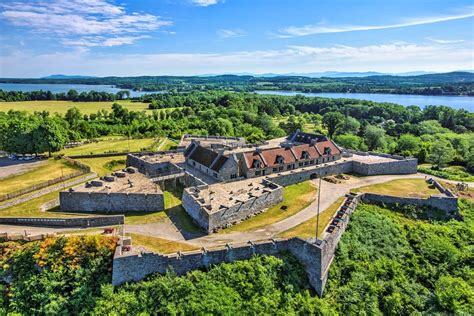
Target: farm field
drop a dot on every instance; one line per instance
(48, 170)
(61, 107)
(402, 187)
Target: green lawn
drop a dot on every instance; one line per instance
(104, 165)
(61, 107)
(50, 169)
(160, 245)
(115, 145)
(295, 197)
(401, 187)
(308, 229)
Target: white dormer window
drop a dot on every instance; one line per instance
(256, 163)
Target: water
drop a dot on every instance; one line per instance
(456, 102)
(64, 88)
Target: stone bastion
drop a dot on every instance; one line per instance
(221, 205)
(124, 191)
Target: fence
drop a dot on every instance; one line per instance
(41, 185)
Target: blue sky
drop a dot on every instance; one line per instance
(187, 37)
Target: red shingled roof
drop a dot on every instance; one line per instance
(250, 157)
(312, 151)
(330, 144)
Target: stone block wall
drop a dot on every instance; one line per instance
(405, 166)
(152, 169)
(135, 267)
(444, 203)
(92, 221)
(300, 175)
(111, 202)
(228, 216)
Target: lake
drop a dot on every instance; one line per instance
(456, 102)
(59, 88)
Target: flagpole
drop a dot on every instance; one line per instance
(317, 216)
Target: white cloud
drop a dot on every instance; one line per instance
(390, 57)
(204, 3)
(225, 33)
(293, 31)
(443, 41)
(75, 21)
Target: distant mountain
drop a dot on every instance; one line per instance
(59, 76)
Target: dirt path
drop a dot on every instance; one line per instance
(52, 188)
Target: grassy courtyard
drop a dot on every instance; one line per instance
(295, 197)
(401, 187)
(61, 107)
(104, 165)
(308, 229)
(48, 170)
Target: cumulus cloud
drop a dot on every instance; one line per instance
(226, 33)
(390, 57)
(75, 21)
(294, 31)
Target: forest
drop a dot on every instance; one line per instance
(454, 83)
(436, 134)
(389, 261)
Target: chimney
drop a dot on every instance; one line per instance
(258, 150)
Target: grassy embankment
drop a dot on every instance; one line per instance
(308, 229)
(296, 197)
(401, 187)
(455, 173)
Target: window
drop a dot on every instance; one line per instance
(215, 175)
(311, 162)
(275, 169)
(233, 176)
(300, 164)
(258, 172)
(288, 167)
(280, 168)
(306, 163)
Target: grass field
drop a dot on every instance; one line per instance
(61, 107)
(401, 187)
(115, 145)
(49, 170)
(296, 197)
(308, 229)
(104, 165)
(160, 245)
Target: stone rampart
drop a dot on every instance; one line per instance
(92, 221)
(444, 203)
(399, 166)
(111, 202)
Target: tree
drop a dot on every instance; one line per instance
(349, 141)
(374, 137)
(442, 153)
(332, 121)
(50, 136)
(349, 126)
(408, 145)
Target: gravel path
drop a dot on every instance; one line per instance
(52, 188)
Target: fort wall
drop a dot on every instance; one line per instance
(444, 203)
(92, 221)
(111, 202)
